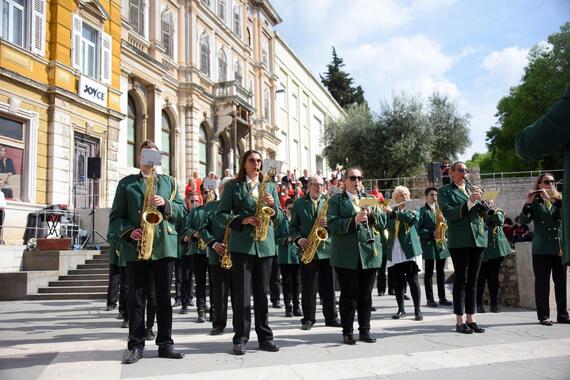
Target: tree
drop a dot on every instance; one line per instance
(340, 84)
(545, 78)
(450, 129)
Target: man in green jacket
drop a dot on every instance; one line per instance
(547, 135)
(126, 217)
(251, 258)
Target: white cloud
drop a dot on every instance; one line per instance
(505, 67)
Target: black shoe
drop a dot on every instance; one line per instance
(545, 322)
(348, 339)
(445, 302)
(463, 329)
(495, 309)
(399, 314)
(239, 349)
(201, 316)
(333, 323)
(183, 310)
(124, 324)
(481, 309)
(306, 326)
(288, 312)
(176, 303)
(149, 335)
(563, 320)
(134, 355)
(168, 352)
(217, 331)
(431, 303)
(366, 337)
(110, 307)
(276, 305)
(406, 297)
(418, 316)
(476, 328)
(268, 345)
(373, 308)
(297, 312)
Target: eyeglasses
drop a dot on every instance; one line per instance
(463, 170)
(355, 177)
(548, 182)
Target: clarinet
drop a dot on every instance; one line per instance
(369, 236)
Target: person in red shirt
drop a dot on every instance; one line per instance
(189, 191)
(198, 182)
(377, 194)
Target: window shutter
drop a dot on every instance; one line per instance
(106, 58)
(77, 26)
(38, 40)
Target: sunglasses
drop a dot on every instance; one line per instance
(548, 182)
(463, 170)
(355, 177)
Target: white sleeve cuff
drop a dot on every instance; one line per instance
(470, 204)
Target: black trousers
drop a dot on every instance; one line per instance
(1, 224)
(177, 278)
(355, 296)
(407, 271)
(466, 262)
(381, 280)
(274, 291)
(114, 284)
(124, 295)
(318, 273)
(391, 281)
(200, 267)
(221, 289)
(291, 283)
(440, 276)
(543, 266)
(186, 286)
(139, 274)
(489, 273)
(250, 275)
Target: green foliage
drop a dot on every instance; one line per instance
(450, 129)
(544, 81)
(340, 84)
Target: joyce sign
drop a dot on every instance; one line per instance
(92, 91)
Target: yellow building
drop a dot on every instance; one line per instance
(59, 102)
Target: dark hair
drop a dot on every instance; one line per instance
(429, 190)
(242, 173)
(289, 201)
(454, 166)
(351, 169)
(148, 144)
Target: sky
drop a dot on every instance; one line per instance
(472, 50)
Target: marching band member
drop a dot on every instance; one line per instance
(251, 257)
(544, 207)
(404, 251)
(126, 217)
(353, 257)
(466, 240)
(187, 270)
(304, 215)
(433, 252)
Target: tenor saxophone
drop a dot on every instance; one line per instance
(149, 219)
(226, 258)
(263, 212)
(317, 235)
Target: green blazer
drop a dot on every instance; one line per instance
(126, 215)
(302, 220)
(465, 228)
(287, 251)
(236, 204)
(180, 224)
(348, 242)
(426, 227)
(407, 233)
(211, 232)
(193, 224)
(547, 223)
(547, 135)
(498, 243)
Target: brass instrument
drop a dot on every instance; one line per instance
(263, 212)
(440, 227)
(202, 244)
(482, 206)
(317, 235)
(149, 219)
(369, 232)
(225, 258)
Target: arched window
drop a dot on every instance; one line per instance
(238, 74)
(167, 27)
(166, 144)
(222, 9)
(222, 66)
(202, 152)
(205, 54)
(237, 19)
(265, 52)
(131, 133)
(220, 166)
(266, 105)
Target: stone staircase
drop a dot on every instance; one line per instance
(88, 281)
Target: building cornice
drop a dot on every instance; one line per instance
(266, 6)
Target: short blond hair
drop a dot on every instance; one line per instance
(400, 190)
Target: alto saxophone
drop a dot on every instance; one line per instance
(440, 227)
(317, 235)
(149, 219)
(226, 259)
(263, 212)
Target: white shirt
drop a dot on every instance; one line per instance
(398, 256)
(253, 186)
(2, 200)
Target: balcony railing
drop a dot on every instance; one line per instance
(232, 89)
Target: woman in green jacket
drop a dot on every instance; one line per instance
(544, 207)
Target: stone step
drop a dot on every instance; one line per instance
(80, 277)
(67, 296)
(89, 271)
(79, 283)
(73, 289)
(93, 266)
(97, 260)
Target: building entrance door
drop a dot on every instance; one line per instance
(85, 190)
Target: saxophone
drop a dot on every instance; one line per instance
(440, 227)
(226, 259)
(150, 218)
(317, 235)
(263, 212)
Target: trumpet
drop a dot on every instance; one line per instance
(483, 206)
(369, 235)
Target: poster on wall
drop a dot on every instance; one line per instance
(11, 165)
